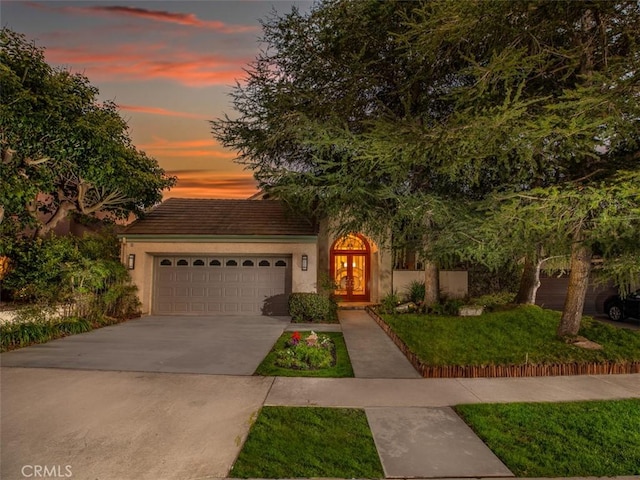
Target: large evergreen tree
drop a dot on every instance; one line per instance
(401, 115)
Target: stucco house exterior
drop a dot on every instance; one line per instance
(208, 256)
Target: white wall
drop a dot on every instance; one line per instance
(453, 283)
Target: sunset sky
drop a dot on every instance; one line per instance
(169, 65)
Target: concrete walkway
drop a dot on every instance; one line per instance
(191, 424)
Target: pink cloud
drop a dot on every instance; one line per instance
(209, 184)
(161, 111)
(144, 63)
(187, 19)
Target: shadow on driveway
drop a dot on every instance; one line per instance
(217, 345)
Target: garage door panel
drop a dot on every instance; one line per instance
(213, 277)
(166, 276)
(199, 276)
(246, 277)
(181, 291)
(231, 277)
(214, 292)
(232, 284)
(197, 307)
(164, 292)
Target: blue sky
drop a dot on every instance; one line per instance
(169, 66)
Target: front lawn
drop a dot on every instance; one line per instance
(341, 368)
(290, 442)
(599, 438)
(519, 336)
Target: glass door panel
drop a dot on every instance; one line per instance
(341, 275)
(358, 275)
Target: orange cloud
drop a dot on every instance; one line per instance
(186, 19)
(161, 111)
(144, 63)
(209, 184)
(187, 149)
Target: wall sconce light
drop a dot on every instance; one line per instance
(131, 261)
(305, 262)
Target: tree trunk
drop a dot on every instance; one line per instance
(530, 280)
(577, 290)
(431, 283)
(63, 210)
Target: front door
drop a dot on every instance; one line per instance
(350, 268)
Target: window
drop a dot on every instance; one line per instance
(281, 263)
(248, 263)
(215, 263)
(166, 262)
(182, 262)
(198, 263)
(264, 263)
(231, 263)
(350, 242)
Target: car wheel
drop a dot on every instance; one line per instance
(615, 313)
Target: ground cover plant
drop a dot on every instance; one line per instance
(292, 356)
(290, 442)
(595, 438)
(20, 334)
(526, 334)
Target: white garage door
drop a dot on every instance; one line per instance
(229, 284)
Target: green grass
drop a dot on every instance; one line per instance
(513, 337)
(289, 442)
(599, 438)
(341, 369)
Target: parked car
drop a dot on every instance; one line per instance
(619, 308)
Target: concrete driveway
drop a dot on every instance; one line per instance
(138, 400)
(221, 345)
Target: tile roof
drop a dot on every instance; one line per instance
(184, 216)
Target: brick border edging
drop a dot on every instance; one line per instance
(495, 371)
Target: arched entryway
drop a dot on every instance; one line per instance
(350, 268)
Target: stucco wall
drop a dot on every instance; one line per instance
(142, 274)
(453, 283)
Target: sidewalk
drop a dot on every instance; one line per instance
(416, 432)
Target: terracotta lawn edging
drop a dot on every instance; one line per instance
(495, 371)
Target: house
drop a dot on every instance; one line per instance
(205, 256)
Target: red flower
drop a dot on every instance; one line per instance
(295, 338)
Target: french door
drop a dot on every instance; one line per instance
(350, 269)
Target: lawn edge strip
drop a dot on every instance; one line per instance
(501, 371)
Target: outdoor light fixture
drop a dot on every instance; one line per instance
(305, 262)
(131, 262)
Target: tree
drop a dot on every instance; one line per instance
(62, 150)
(407, 121)
(556, 106)
(320, 81)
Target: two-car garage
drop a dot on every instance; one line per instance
(229, 284)
(211, 257)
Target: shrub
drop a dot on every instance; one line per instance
(447, 307)
(389, 302)
(312, 307)
(494, 301)
(416, 291)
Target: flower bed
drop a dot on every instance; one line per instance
(311, 352)
(308, 355)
